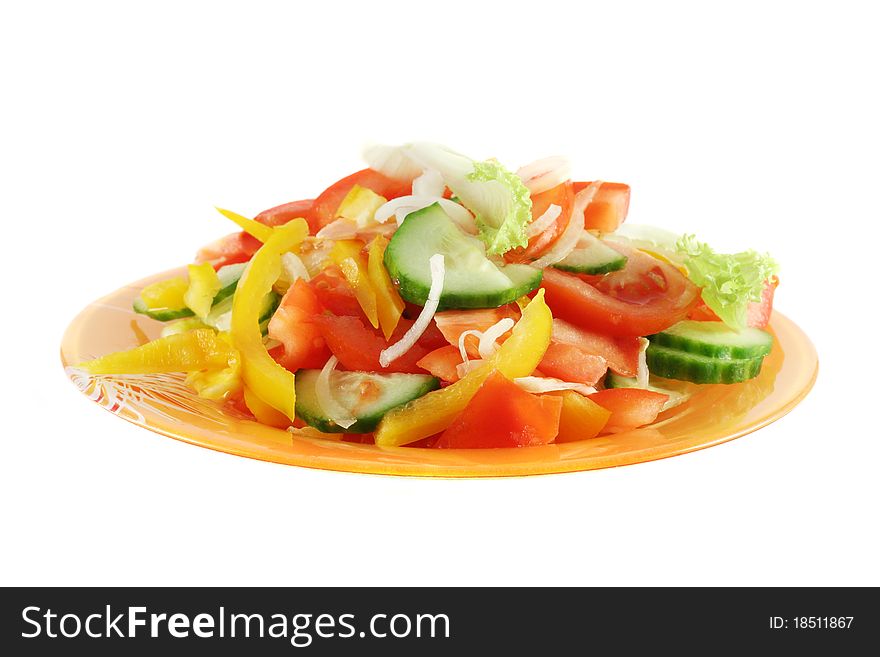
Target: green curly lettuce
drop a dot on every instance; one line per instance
(729, 282)
(504, 229)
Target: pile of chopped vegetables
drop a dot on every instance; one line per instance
(436, 301)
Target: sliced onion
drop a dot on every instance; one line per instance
(340, 229)
(566, 242)
(462, 369)
(488, 341)
(409, 339)
(642, 371)
(404, 205)
(331, 408)
(430, 183)
(544, 222)
(544, 174)
(462, 344)
(538, 384)
(391, 161)
(294, 268)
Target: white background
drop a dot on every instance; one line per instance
(753, 126)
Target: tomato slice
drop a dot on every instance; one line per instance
(229, 250)
(293, 325)
(501, 414)
(452, 323)
(282, 214)
(630, 407)
(335, 294)
(357, 345)
(561, 195)
(573, 364)
(328, 202)
(645, 297)
(758, 311)
(442, 363)
(609, 207)
(621, 353)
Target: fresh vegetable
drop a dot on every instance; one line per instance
(327, 204)
(389, 305)
(287, 212)
(263, 413)
(442, 363)
(645, 297)
(757, 313)
(231, 249)
(630, 407)
(263, 376)
(592, 256)
(581, 418)
(201, 349)
(675, 364)
(472, 280)
(433, 413)
(203, 287)
(501, 414)
(498, 198)
(366, 396)
(714, 339)
(609, 209)
(562, 197)
(621, 353)
(676, 396)
(254, 228)
(293, 325)
(360, 205)
(348, 256)
(571, 363)
(163, 300)
(729, 282)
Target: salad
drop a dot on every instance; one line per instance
(433, 300)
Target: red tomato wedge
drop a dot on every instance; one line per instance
(630, 407)
(328, 202)
(609, 207)
(229, 250)
(620, 353)
(758, 311)
(335, 294)
(442, 363)
(452, 323)
(573, 364)
(643, 298)
(293, 325)
(561, 195)
(282, 214)
(357, 345)
(501, 414)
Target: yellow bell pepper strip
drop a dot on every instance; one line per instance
(519, 355)
(182, 326)
(389, 305)
(167, 294)
(265, 378)
(360, 205)
(581, 418)
(218, 382)
(261, 231)
(264, 413)
(347, 254)
(203, 287)
(201, 349)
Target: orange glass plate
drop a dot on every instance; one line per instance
(162, 403)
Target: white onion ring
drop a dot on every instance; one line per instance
(332, 408)
(544, 174)
(544, 222)
(566, 242)
(539, 384)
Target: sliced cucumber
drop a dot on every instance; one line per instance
(472, 280)
(674, 364)
(229, 277)
(595, 257)
(715, 339)
(161, 314)
(220, 316)
(367, 396)
(676, 397)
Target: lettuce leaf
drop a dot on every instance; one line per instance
(497, 197)
(729, 281)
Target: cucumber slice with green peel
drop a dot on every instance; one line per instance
(229, 277)
(674, 364)
(715, 339)
(676, 397)
(366, 395)
(161, 314)
(595, 257)
(471, 280)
